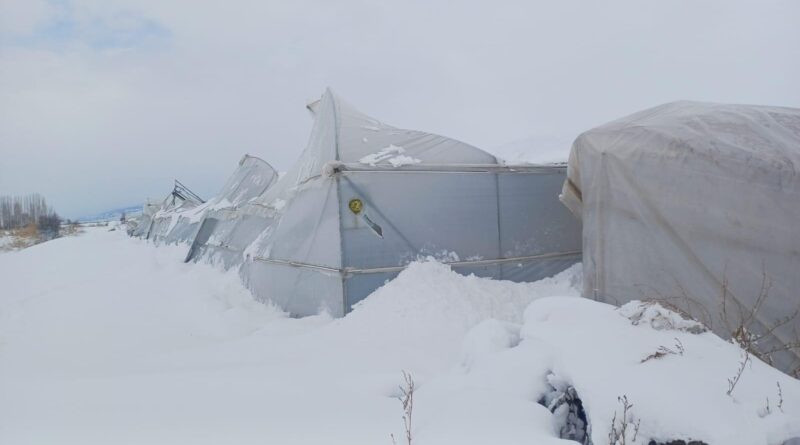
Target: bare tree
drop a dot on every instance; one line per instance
(19, 211)
(49, 225)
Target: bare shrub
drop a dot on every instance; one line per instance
(623, 430)
(740, 324)
(735, 379)
(49, 225)
(661, 316)
(663, 351)
(25, 237)
(72, 228)
(683, 304)
(406, 398)
(29, 231)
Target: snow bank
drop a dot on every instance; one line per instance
(6, 240)
(104, 338)
(678, 396)
(71, 304)
(424, 314)
(595, 349)
(10, 241)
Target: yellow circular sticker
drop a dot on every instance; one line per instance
(356, 205)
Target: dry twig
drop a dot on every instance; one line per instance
(406, 398)
(735, 379)
(664, 351)
(625, 428)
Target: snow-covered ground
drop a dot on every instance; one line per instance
(106, 339)
(11, 240)
(6, 240)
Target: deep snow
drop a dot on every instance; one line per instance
(106, 339)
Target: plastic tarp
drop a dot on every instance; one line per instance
(365, 199)
(179, 221)
(223, 232)
(685, 199)
(144, 220)
(165, 227)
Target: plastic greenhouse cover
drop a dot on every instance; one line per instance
(689, 201)
(451, 201)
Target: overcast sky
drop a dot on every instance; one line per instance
(103, 102)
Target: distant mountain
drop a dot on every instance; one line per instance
(114, 214)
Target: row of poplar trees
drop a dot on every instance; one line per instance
(21, 211)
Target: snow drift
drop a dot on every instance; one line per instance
(104, 338)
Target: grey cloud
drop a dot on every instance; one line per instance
(186, 88)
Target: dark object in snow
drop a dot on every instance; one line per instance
(568, 412)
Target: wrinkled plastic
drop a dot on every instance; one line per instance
(423, 195)
(685, 199)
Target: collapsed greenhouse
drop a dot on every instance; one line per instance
(171, 221)
(226, 229)
(139, 226)
(180, 215)
(363, 201)
(696, 204)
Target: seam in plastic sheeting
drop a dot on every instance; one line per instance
(446, 168)
(356, 271)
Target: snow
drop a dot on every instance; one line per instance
(659, 317)
(392, 154)
(223, 203)
(676, 396)
(197, 213)
(173, 221)
(278, 204)
(11, 240)
(399, 161)
(6, 240)
(107, 339)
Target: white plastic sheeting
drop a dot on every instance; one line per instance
(179, 221)
(252, 177)
(418, 195)
(165, 225)
(144, 221)
(686, 198)
(224, 231)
